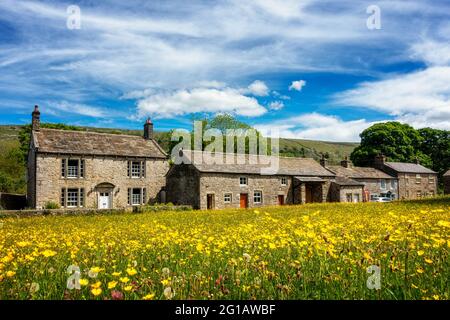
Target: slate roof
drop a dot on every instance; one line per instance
(342, 181)
(447, 174)
(359, 172)
(96, 144)
(408, 167)
(253, 164)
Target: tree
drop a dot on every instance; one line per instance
(399, 142)
(436, 144)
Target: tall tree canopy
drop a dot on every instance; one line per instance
(436, 144)
(399, 142)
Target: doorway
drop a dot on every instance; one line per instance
(210, 201)
(104, 200)
(280, 199)
(243, 200)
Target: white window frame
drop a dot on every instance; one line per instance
(136, 198)
(284, 181)
(431, 179)
(73, 172)
(256, 196)
(73, 198)
(243, 184)
(136, 169)
(227, 195)
(418, 178)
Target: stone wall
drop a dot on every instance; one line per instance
(219, 184)
(183, 186)
(446, 184)
(31, 178)
(374, 186)
(97, 170)
(410, 187)
(339, 193)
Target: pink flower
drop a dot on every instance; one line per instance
(116, 295)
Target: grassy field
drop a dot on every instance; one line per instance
(317, 251)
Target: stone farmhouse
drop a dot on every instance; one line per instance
(78, 169)
(204, 184)
(447, 182)
(414, 180)
(81, 169)
(376, 183)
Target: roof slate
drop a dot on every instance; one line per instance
(254, 164)
(359, 172)
(408, 167)
(97, 144)
(342, 181)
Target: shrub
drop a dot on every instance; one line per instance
(51, 205)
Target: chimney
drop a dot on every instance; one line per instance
(416, 160)
(323, 161)
(379, 161)
(346, 163)
(35, 119)
(148, 129)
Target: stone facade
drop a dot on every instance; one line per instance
(340, 193)
(77, 169)
(446, 179)
(98, 171)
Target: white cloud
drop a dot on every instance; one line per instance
(258, 88)
(210, 100)
(417, 95)
(297, 85)
(63, 107)
(276, 105)
(317, 126)
(432, 52)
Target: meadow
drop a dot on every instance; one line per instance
(315, 251)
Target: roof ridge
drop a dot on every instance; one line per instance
(250, 154)
(93, 132)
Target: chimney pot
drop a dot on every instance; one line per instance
(148, 129)
(36, 119)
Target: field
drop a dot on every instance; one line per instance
(317, 251)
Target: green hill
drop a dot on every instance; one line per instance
(12, 170)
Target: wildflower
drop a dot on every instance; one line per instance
(169, 293)
(149, 297)
(83, 282)
(247, 257)
(420, 252)
(131, 271)
(128, 288)
(166, 271)
(96, 291)
(429, 261)
(116, 274)
(10, 274)
(112, 284)
(165, 282)
(116, 295)
(48, 253)
(34, 287)
(124, 279)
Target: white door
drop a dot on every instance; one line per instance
(104, 200)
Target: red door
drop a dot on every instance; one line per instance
(280, 200)
(243, 200)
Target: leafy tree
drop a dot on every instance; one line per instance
(436, 144)
(399, 142)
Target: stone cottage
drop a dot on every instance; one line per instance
(375, 182)
(446, 179)
(80, 169)
(414, 180)
(204, 184)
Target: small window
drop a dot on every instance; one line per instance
(431, 179)
(419, 194)
(383, 184)
(73, 198)
(243, 181)
(257, 197)
(418, 179)
(135, 196)
(349, 197)
(284, 181)
(63, 168)
(136, 169)
(63, 197)
(72, 168)
(227, 197)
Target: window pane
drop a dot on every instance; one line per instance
(136, 196)
(72, 197)
(136, 169)
(72, 168)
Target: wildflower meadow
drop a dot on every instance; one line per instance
(315, 251)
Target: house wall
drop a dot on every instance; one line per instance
(446, 184)
(374, 186)
(220, 183)
(412, 188)
(183, 186)
(338, 193)
(97, 170)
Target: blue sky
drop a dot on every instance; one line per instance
(307, 68)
